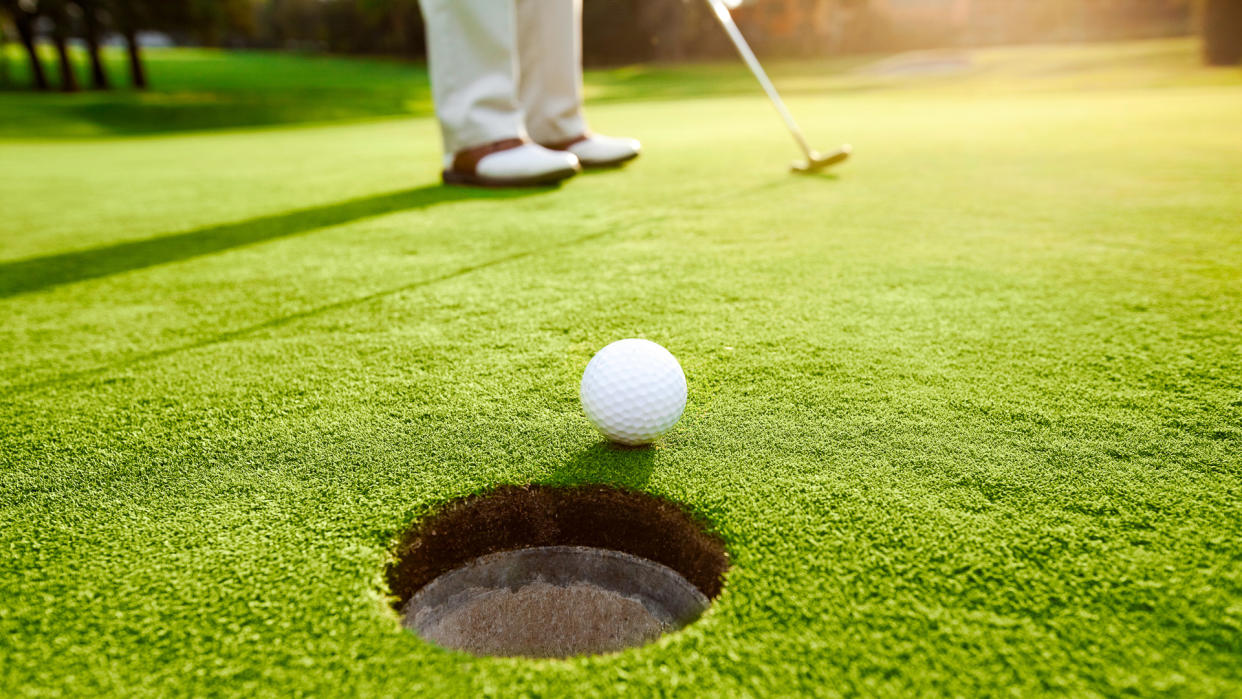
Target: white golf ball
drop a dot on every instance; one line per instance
(634, 391)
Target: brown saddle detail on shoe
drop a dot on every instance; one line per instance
(564, 145)
(466, 161)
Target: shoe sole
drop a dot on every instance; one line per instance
(543, 179)
(605, 165)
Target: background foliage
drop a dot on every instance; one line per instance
(616, 31)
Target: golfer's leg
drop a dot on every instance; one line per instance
(550, 83)
(472, 56)
(550, 79)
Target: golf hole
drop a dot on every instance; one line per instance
(548, 572)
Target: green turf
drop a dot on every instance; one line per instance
(967, 413)
(200, 89)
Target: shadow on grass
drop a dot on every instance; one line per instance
(604, 462)
(351, 302)
(120, 113)
(34, 274)
(180, 112)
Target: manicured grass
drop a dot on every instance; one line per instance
(203, 89)
(967, 413)
(196, 89)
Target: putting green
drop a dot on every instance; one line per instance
(966, 412)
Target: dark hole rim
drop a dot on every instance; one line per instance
(516, 517)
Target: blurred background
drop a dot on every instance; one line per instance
(84, 68)
(57, 44)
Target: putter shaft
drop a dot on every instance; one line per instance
(752, 62)
(743, 48)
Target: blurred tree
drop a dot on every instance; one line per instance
(58, 12)
(208, 21)
(613, 33)
(392, 27)
(24, 14)
(401, 17)
(128, 17)
(4, 52)
(1222, 32)
(91, 30)
(632, 31)
(292, 23)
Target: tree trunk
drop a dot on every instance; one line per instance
(25, 32)
(137, 74)
(60, 37)
(1222, 32)
(68, 81)
(90, 23)
(4, 55)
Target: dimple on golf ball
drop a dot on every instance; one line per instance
(633, 391)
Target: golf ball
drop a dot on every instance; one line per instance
(633, 391)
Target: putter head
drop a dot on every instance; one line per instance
(820, 161)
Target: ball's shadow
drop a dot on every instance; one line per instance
(605, 462)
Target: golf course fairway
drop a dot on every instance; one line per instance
(966, 411)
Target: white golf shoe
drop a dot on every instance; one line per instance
(594, 150)
(509, 163)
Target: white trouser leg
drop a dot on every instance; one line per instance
(472, 57)
(549, 41)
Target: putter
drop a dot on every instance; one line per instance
(815, 161)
